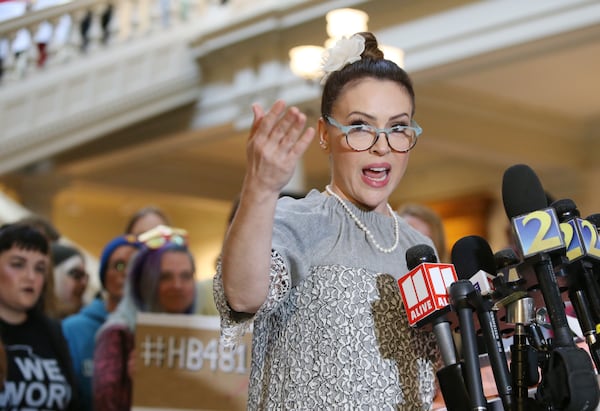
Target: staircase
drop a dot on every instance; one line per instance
(165, 54)
(145, 67)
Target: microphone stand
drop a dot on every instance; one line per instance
(521, 313)
(450, 376)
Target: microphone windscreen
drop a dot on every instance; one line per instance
(506, 257)
(471, 254)
(418, 254)
(522, 191)
(594, 219)
(565, 208)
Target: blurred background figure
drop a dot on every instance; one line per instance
(48, 230)
(32, 340)
(150, 217)
(80, 329)
(42, 225)
(86, 23)
(427, 222)
(70, 279)
(145, 219)
(160, 279)
(2, 365)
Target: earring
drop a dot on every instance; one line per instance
(323, 144)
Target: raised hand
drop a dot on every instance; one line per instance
(278, 139)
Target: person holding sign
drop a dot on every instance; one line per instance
(39, 372)
(160, 279)
(318, 275)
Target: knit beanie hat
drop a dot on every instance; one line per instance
(62, 252)
(110, 248)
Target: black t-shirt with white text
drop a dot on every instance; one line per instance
(38, 377)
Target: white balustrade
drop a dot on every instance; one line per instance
(53, 32)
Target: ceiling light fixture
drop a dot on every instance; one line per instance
(305, 60)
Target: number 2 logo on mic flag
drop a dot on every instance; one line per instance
(573, 241)
(538, 232)
(590, 238)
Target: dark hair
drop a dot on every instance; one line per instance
(41, 224)
(29, 238)
(23, 236)
(371, 64)
(142, 212)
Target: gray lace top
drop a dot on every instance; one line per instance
(333, 333)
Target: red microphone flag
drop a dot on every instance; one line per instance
(424, 291)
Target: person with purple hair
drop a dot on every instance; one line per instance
(160, 279)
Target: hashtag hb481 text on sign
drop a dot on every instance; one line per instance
(180, 364)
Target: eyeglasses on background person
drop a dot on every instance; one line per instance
(362, 137)
(161, 235)
(77, 274)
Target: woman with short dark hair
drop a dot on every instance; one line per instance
(39, 370)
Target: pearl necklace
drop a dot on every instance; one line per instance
(364, 228)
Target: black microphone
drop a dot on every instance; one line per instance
(583, 287)
(593, 243)
(594, 219)
(506, 260)
(568, 378)
(509, 285)
(519, 311)
(459, 298)
(418, 292)
(433, 316)
(474, 261)
(537, 233)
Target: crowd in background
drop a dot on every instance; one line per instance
(146, 268)
(59, 353)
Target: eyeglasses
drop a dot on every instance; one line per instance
(77, 274)
(161, 235)
(362, 137)
(118, 266)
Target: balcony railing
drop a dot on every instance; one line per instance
(50, 32)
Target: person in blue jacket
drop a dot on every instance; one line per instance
(80, 329)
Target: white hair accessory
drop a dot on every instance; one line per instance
(345, 51)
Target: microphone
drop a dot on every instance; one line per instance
(424, 294)
(474, 261)
(519, 311)
(509, 285)
(537, 233)
(568, 381)
(583, 288)
(591, 236)
(593, 244)
(459, 298)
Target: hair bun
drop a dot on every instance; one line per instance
(372, 50)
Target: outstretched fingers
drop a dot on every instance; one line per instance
(291, 128)
(265, 122)
(277, 140)
(303, 142)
